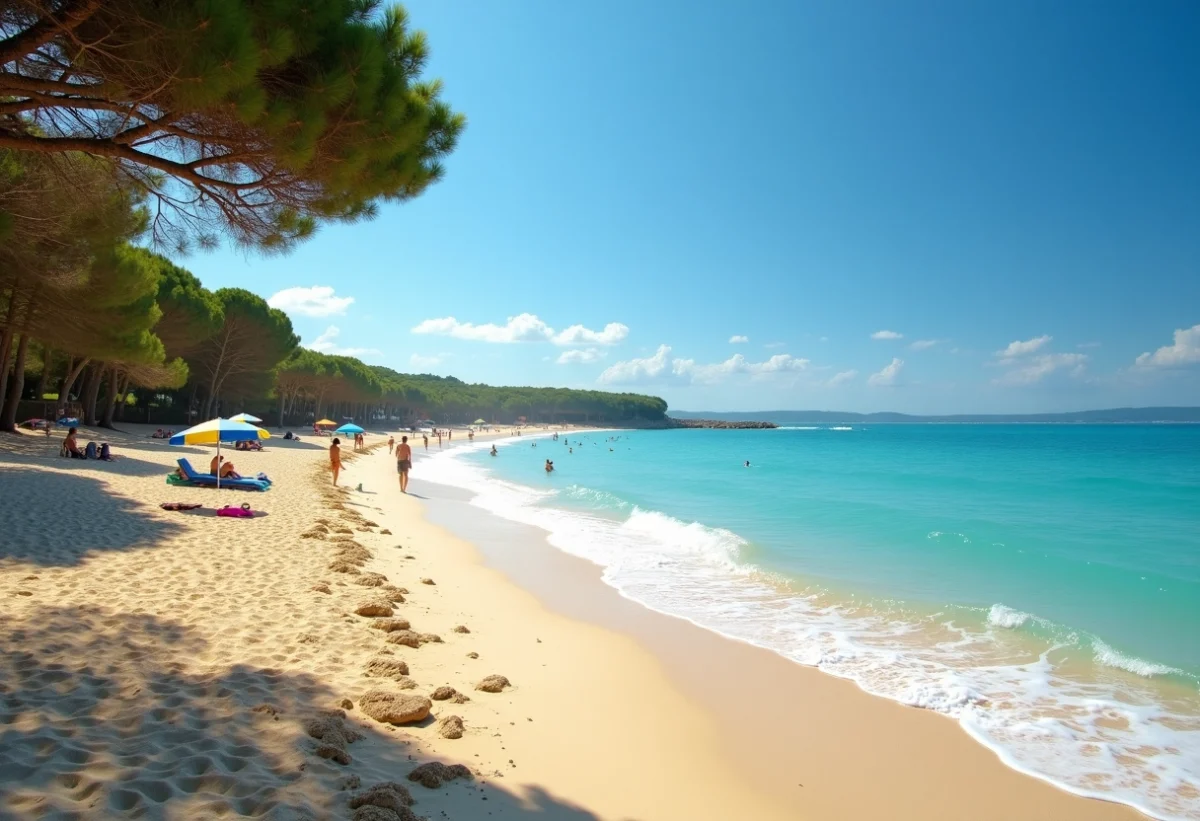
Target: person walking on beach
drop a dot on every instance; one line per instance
(335, 458)
(403, 462)
(391, 442)
(425, 436)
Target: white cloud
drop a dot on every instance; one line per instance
(1027, 363)
(522, 328)
(737, 339)
(887, 335)
(579, 356)
(613, 333)
(327, 343)
(648, 369)
(841, 378)
(1030, 369)
(1185, 351)
(663, 367)
(1025, 348)
(318, 300)
(419, 361)
(924, 344)
(888, 375)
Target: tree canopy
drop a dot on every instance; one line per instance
(253, 119)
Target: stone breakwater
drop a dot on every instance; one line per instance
(720, 424)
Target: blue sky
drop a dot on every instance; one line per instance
(1010, 190)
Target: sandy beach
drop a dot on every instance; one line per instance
(179, 665)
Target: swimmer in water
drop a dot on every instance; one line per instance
(747, 463)
(493, 450)
(549, 466)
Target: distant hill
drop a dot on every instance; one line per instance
(1112, 416)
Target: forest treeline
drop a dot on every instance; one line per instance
(131, 130)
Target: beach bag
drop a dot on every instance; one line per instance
(106, 452)
(243, 512)
(90, 451)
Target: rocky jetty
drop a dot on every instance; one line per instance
(670, 423)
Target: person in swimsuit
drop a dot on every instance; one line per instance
(335, 459)
(403, 462)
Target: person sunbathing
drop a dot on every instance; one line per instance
(226, 468)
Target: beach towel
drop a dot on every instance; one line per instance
(179, 506)
(243, 512)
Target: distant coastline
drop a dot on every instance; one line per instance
(1110, 416)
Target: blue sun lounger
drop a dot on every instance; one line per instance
(208, 480)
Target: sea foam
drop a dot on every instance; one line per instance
(1039, 721)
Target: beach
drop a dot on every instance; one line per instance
(179, 665)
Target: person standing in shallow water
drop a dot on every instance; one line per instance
(335, 459)
(403, 462)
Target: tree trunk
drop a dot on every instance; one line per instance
(110, 401)
(73, 371)
(8, 416)
(124, 397)
(44, 382)
(91, 393)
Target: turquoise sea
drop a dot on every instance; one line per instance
(1039, 584)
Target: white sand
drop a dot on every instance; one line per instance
(170, 665)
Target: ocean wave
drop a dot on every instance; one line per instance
(1039, 716)
(597, 498)
(1006, 617)
(1110, 657)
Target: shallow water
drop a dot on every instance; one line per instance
(1041, 584)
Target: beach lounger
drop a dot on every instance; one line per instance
(208, 480)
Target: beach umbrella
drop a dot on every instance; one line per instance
(245, 417)
(214, 431)
(325, 423)
(349, 427)
(479, 422)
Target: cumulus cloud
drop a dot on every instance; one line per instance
(888, 375)
(737, 339)
(419, 361)
(1184, 351)
(319, 300)
(613, 333)
(522, 328)
(924, 344)
(579, 356)
(327, 343)
(1025, 348)
(887, 335)
(1027, 361)
(1030, 369)
(841, 378)
(662, 367)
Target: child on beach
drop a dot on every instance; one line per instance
(335, 459)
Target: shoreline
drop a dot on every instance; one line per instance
(920, 752)
(159, 662)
